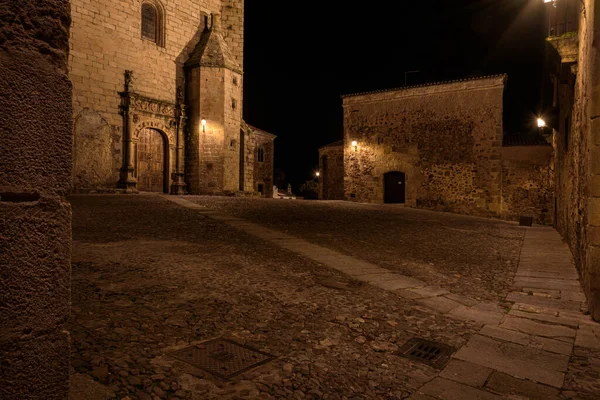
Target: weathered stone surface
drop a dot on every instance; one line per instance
(480, 316)
(35, 175)
(84, 387)
(466, 372)
(515, 360)
(441, 304)
(450, 159)
(446, 389)
(537, 328)
(507, 385)
(538, 342)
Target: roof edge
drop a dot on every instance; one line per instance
(403, 88)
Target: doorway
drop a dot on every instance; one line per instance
(151, 163)
(395, 187)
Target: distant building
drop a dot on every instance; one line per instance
(157, 99)
(440, 147)
(331, 169)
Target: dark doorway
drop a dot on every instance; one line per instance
(324, 177)
(261, 189)
(395, 187)
(151, 161)
(242, 160)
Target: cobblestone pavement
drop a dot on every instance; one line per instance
(334, 334)
(438, 248)
(150, 277)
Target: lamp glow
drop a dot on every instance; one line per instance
(354, 143)
(203, 123)
(318, 174)
(541, 123)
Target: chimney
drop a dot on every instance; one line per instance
(216, 22)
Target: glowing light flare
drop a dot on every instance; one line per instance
(203, 123)
(354, 143)
(541, 123)
(317, 174)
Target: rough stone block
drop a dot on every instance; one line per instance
(537, 328)
(509, 386)
(35, 367)
(466, 372)
(441, 388)
(515, 360)
(594, 211)
(441, 304)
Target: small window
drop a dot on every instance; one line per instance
(152, 23)
(233, 103)
(261, 154)
(235, 80)
(232, 144)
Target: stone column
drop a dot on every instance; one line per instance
(35, 217)
(178, 184)
(127, 179)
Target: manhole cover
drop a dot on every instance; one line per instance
(222, 358)
(425, 351)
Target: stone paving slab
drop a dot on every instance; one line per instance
(555, 319)
(542, 274)
(466, 373)
(510, 387)
(516, 360)
(441, 304)
(441, 388)
(428, 291)
(537, 328)
(472, 314)
(551, 345)
(520, 297)
(588, 337)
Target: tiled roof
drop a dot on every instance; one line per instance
(212, 51)
(337, 143)
(524, 139)
(427, 84)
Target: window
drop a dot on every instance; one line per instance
(233, 103)
(152, 22)
(260, 157)
(235, 81)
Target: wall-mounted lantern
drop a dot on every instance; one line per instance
(354, 144)
(203, 123)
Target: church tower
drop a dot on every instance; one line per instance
(214, 99)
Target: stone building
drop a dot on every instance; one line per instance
(158, 98)
(331, 168)
(573, 110)
(439, 147)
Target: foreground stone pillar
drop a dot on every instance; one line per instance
(35, 219)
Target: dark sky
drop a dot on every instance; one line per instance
(299, 59)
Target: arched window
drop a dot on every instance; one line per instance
(152, 22)
(260, 157)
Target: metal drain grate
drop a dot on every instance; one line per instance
(222, 358)
(425, 351)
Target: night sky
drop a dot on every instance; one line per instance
(300, 58)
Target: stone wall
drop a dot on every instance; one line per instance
(528, 183)
(578, 164)
(105, 41)
(35, 218)
(331, 167)
(446, 138)
(263, 171)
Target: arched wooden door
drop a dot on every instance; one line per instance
(151, 161)
(395, 187)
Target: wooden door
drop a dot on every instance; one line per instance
(151, 161)
(395, 187)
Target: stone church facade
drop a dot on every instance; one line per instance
(158, 99)
(439, 147)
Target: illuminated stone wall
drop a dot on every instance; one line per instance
(446, 138)
(35, 217)
(106, 40)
